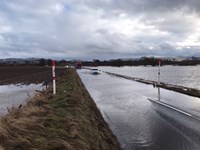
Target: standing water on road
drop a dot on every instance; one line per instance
(133, 118)
(15, 95)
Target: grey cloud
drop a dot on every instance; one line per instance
(85, 29)
(141, 6)
(173, 12)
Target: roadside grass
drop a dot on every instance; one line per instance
(67, 120)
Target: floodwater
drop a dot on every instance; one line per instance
(188, 76)
(15, 95)
(140, 124)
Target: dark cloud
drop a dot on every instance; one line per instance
(146, 6)
(99, 28)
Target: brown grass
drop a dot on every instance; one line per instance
(68, 120)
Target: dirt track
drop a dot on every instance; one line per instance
(27, 75)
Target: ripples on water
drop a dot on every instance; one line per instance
(188, 76)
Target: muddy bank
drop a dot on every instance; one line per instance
(68, 120)
(180, 89)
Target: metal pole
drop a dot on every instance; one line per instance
(159, 72)
(54, 76)
(158, 93)
(158, 80)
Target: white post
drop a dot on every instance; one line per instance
(158, 72)
(158, 93)
(54, 76)
(158, 80)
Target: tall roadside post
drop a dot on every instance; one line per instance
(54, 76)
(159, 62)
(159, 72)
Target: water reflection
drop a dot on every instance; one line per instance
(14, 95)
(133, 118)
(177, 75)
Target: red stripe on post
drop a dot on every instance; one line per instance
(53, 63)
(53, 78)
(159, 61)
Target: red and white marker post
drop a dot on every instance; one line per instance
(54, 76)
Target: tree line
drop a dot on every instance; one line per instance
(144, 61)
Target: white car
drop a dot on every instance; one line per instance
(95, 71)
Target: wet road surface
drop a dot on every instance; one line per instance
(138, 123)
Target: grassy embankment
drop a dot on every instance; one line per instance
(68, 120)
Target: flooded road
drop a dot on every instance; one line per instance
(15, 95)
(138, 123)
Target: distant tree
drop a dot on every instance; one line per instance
(117, 62)
(42, 62)
(129, 62)
(62, 62)
(96, 60)
(49, 62)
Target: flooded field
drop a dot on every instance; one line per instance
(15, 95)
(138, 123)
(188, 76)
(19, 84)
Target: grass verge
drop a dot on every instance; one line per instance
(68, 120)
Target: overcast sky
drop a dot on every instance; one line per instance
(99, 29)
